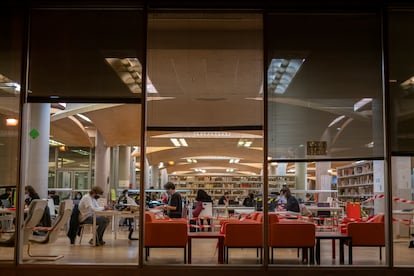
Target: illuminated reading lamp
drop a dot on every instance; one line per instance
(12, 122)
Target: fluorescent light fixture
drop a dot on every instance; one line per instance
(9, 85)
(291, 170)
(62, 105)
(358, 105)
(281, 73)
(274, 164)
(12, 122)
(81, 152)
(55, 143)
(229, 170)
(370, 145)
(175, 142)
(244, 143)
(179, 142)
(213, 134)
(189, 160)
(408, 83)
(161, 165)
(129, 70)
(234, 161)
(336, 120)
(199, 170)
(84, 117)
(183, 142)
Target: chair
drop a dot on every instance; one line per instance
(33, 218)
(292, 234)
(52, 233)
(370, 233)
(165, 233)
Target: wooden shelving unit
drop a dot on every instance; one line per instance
(238, 186)
(356, 183)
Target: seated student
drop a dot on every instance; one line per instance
(249, 201)
(287, 201)
(87, 205)
(224, 200)
(202, 196)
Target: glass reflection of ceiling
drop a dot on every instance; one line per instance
(281, 73)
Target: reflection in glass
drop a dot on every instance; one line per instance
(319, 105)
(10, 65)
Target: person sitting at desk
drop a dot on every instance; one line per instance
(87, 205)
(287, 201)
(202, 196)
(7, 196)
(224, 199)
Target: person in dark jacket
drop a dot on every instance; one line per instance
(290, 202)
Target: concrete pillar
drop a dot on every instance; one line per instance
(124, 166)
(301, 172)
(132, 173)
(38, 148)
(102, 163)
(323, 179)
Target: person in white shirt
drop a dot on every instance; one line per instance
(87, 205)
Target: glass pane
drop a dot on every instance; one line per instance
(10, 61)
(325, 102)
(324, 89)
(83, 128)
(84, 55)
(402, 104)
(81, 180)
(328, 197)
(205, 118)
(400, 82)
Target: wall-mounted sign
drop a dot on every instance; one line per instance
(317, 148)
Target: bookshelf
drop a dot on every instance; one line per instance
(238, 186)
(356, 183)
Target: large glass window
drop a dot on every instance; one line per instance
(10, 60)
(325, 130)
(401, 102)
(205, 134)
(84, 119)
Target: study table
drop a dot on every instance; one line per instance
(334, 236)
(115, 216)
(207, 235)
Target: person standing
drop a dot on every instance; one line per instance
(87, 205)
(174, 207)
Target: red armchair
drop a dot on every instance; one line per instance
(243, 235)
(165, 233)
(293, 234)
(370, 233)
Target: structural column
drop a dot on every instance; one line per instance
(124, 167)
(102, 163)
(301, 173)
(36, 169)
(323, 179)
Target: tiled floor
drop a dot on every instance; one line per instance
(124, 251)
